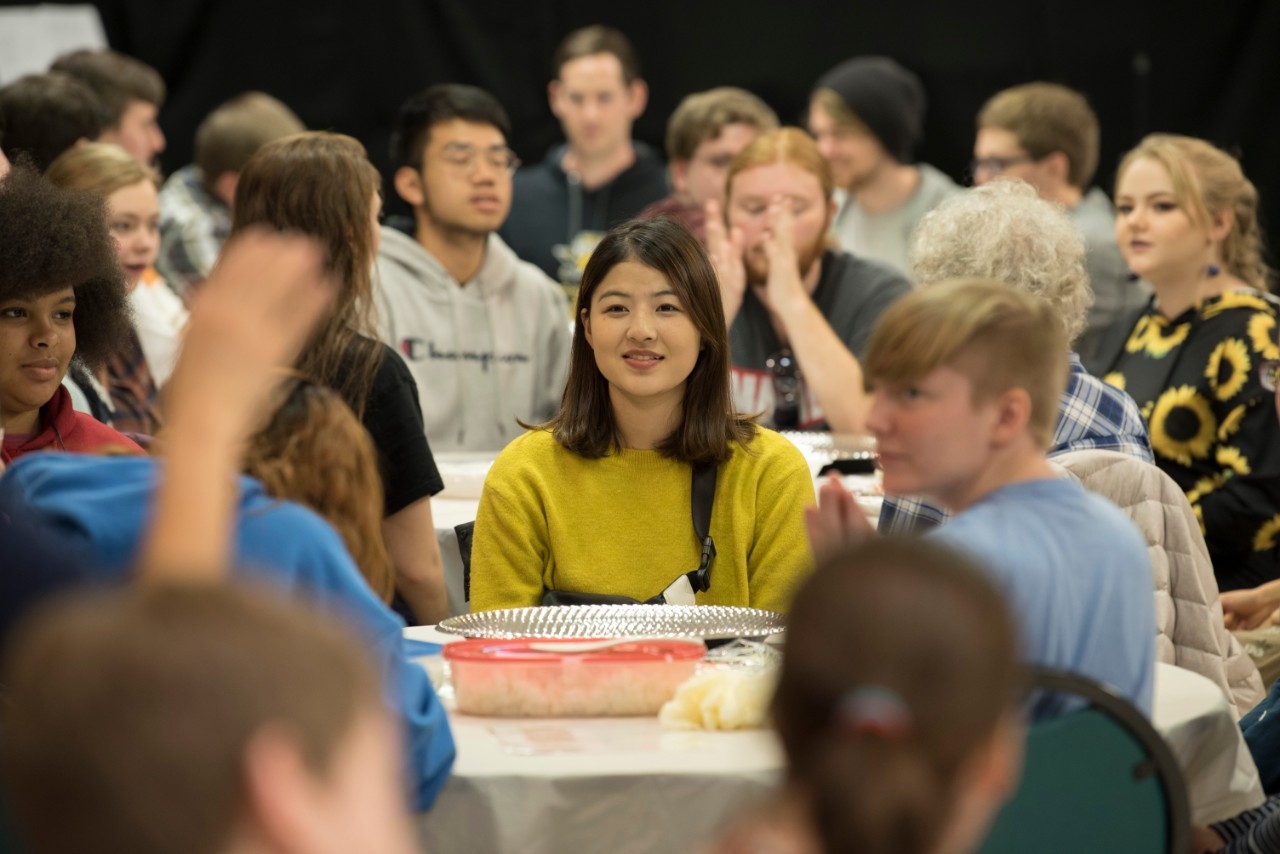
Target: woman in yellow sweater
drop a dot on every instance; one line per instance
(598, 500)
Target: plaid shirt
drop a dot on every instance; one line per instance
(193, 227)
(1094, 415)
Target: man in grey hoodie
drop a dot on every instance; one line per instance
(483, 332)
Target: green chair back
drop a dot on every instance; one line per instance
(1098, 778)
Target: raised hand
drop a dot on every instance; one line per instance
(725, 247)
(784, 284)
(837, 521)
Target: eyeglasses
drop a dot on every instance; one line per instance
(463, 156)
(786, 388)
(996, 165)
(1269, 374)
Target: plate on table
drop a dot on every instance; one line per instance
(708, 622)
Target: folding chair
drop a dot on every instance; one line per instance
(1096, 778)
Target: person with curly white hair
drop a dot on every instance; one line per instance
(1005, 231)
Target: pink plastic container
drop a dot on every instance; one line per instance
(505, 678)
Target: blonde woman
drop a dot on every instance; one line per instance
(1186, 221)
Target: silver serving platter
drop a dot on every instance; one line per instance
(709, 622)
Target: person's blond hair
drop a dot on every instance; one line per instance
(784, 145)
(100, 168)
(1207, 181)
(1046, 117)
(1005, 231)
(998, 337)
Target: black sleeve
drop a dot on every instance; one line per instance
(393, 417)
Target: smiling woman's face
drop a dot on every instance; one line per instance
(37, 340)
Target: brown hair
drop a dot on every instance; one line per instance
(997, 336)
(100, 168)
(1206, 182)
(234, 132)
(42, 115)
(322, 184)
(115, 78)
(852, 639)
(703, 115)
(585, 423)
(136, 708)
(784, 145)
(593, 40)
(1046, 117)
(315, 452)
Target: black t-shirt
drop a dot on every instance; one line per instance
(393, 417)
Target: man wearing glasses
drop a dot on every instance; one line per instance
(483, 332)
(1047, 135)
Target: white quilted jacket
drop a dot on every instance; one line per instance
(1189, 623)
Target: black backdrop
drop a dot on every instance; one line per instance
(1210, 69)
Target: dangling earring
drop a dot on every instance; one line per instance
(1132, 277)
(1212, 270)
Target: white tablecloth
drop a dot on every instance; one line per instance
(617, 786)
(1193, 716)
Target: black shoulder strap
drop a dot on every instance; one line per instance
(704, 495)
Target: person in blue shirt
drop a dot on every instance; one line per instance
(966, 377)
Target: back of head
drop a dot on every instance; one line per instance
(1207, 181)
(434, 105)
(322, 184)
(998, 336)
(878, 95)
(100, 168)
(1045, 118)
(593, 40)
(43, 115)
(1003, 230)
(585, 423)
(316, 452)
(134, 711)
(233, 133)
(784, 145)
(703, 115)
(53, 238)
(879, 711)
(115, 78)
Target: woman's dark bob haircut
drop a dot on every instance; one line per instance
(709, 422)
(51, 239)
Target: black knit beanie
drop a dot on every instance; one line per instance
(886, 97)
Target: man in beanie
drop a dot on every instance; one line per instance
(867, 115)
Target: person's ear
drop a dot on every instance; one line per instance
(1220, 224)
(1058, 165)
(279, 790)
(639, 92)
(1013, 412)
(224, 187)
(585, 315)
(679, 176)
(408, 184)
(554, 93)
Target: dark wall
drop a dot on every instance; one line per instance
(1207, 69)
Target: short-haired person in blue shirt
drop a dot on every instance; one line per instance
(1003, 230)
(965, 379)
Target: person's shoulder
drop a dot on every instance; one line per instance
(1240, 306)
(935, 185)
(865, 273)
(544, 174)
(51, 470)
(769, 450)
(507, 266)
(534, 454)
(91, 435)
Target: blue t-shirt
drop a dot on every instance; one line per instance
(105, 503)
(1077, 577)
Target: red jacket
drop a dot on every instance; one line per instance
(67, 430)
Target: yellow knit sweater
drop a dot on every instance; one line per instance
(550, 518)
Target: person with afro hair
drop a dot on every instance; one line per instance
(62, 296)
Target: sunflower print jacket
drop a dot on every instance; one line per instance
(1213, 427)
